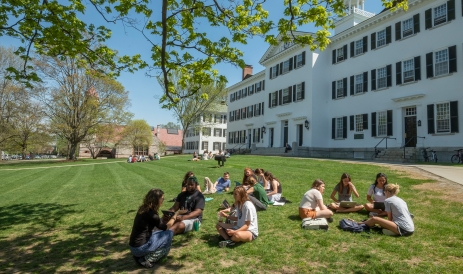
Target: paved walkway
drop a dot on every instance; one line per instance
(452, 173)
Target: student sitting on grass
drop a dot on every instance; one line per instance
(312, 205)
(376, 205)
(246, 229)
(274, 194)
(399, 220)
(205, 156)
(185, 179)
(256, 193)
(195, 157)
(248, 173)
(259, 172)
(146, 246)
(222, 184)
(344, 188)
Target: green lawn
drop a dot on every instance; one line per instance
(77, 217)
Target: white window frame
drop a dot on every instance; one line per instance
(274, 72)
(274, 99)
(340, 54)
(359, 83)
(439, 18)
(443, 117)
(299, 60)
(339, 89)
(441, 62)
(339, 128)
(381, 82)
(407, 27)
(250, 89)
(298, 92)
(250, 111)
(285, 96)
(382, 123)
(205, 145)
(218, 132)
(258, 86)
(358, 47)
(285, 66)
(381, 38)
(408, 70)
(359, 123)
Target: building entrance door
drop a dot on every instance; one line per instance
(285, 133)
(410, 131)
(271, 137)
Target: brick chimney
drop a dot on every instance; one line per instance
(247, 71)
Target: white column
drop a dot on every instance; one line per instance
(363, 5)
(350, 4)
(358, 4)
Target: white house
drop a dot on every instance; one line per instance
(392, 79)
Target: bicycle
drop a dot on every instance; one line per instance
(458, 157)
(433, 156)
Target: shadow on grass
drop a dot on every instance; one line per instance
(38, 243)
(294, 217)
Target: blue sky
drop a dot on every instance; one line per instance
(144, 92)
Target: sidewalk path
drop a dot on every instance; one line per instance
(452, 173)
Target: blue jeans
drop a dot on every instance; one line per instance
(159, 240)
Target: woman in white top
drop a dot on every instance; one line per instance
(312, 205)
(399, 220)
(246, 228)
(376, 205)
(275, 191)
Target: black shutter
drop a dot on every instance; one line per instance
(416, 23)
(373, 124)
(303, 90)
(333, 90)
(294, 61)
(365, 44)
(365, 121)
(280, 97)
(351, 49)
(398, 31)
(365, 81)
(345, 51)
(344, 86)
(262, 108)
(352, 122)
(398, 73)
(417, 62)
(450, 10)
(429, 65)
(294, 93)
(454, 116)
(388, 35)
(263, 84)
(389, 75)
(373, 79)
(428, 19)
(334, 56)
(344, 127)
(269, 100)
(271, 73)
(290, 64)
(352, 86)
(253, 135)
(303, 58)
(290, 93)
(389, 123)
(452, 59)
(431, 119)
(280, 71)
(373, 41)
(254, 110)
(333, 128)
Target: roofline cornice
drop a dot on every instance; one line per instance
(246, 81)
(278, 55)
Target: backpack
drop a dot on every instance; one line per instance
(314, 224)
(352, 226)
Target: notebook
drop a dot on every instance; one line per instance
(379, 205)
(225, 204)
(347, 204)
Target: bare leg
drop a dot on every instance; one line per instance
(221, 228)
(325, 213)
(351, 209)
(383, 223)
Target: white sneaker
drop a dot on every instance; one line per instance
(388, 232)
(373, 214)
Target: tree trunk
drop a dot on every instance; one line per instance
(72, 152)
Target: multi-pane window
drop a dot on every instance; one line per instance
(339, 128)
(358, 47)
(382, 77)
(407, 27)
(411, 111)
(441, 62)
(140, 150)
(409, 71)
(224, 133)
(285, 95)
(243, 136)
(274, 72)
(299, 91)
(238, 95)
(204, 145)
(258, 86)
(285, 66)
(382, 123)
(257, 109)
(218, 132)
(250, 111)
(381, 38)
(206, 131)
(216, 146)
(359, 123)
(299, 60)
(339, 89)
(251, 89)
(244, 92)
(340, 54)
(440, 14)
(274, 99)
(443, 117)
(359, 83)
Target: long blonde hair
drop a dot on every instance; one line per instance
(242, 196)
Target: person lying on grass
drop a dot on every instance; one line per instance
(148, 247)
(275, 191)
(222, 184)
(312, 205)
(344, 188)
(192, 200)
(376, 205)
(399, 220)
(256, 193)
(246, 228)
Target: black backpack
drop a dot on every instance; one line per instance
(352, 226)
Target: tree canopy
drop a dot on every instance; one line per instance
(174, 31)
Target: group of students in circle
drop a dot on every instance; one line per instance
(151, 235)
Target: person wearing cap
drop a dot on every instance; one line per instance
(191, 200)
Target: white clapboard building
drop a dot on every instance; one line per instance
(392, 80)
